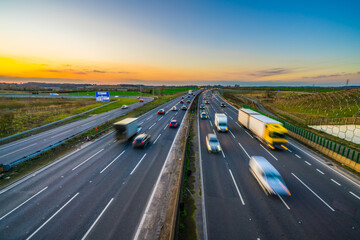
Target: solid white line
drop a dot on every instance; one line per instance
(268, 152)
(248, 134)
(297, 156)
(237, 189)
(157, 138)
(313, 192)
(52, 216)
(18, 150)
(16, 143)
(355, 195)
(87, 159)
(152, 126)
(283, 201)
(23, 203)
(232, 133)
(202, 185)
(335, 182)
(161, 118)
(244, 150)
(137, 164)
(97, 219)
(112, 162)
(321, 162)
(320, 171)
(308, 163)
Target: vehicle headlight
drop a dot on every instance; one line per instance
(226, 129)
(219, 148)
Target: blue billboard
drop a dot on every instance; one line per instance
(102, 96)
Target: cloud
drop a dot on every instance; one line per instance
(330, 75)
(270, 72)
(65, 71)
(98, 71)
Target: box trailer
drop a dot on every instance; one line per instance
(126, 129)
(244, 116)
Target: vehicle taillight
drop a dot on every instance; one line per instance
(142, 142)
(170, 125)
(134, 142)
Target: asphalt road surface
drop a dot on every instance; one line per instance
(15, 150)
(325, 203)
(99, 191)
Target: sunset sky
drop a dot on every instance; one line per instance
(180, 42)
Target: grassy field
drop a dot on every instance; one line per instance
(21, 114)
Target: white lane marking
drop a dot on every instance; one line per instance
(308, 163)
(157, 138)
(214, 131)
(222, 151)
(23, 203)
(335, 182)
(202, 184)
(354, 195)
(238, 124)
(320, 171)
(137, 164)
(283, 201)
(268, 152)
(237, 189)
(97, 219)
(248, 134)
(244, 150)
(141, 123)
(61, 133)
(152, 126)
(149, 117)
(52, 216)
(161, 118)
(211, 123)
(165, 126)
(321, 162)
(232, 133)
(297, 156)
(176, 113)
(89, 122)
(313, 192)
(289, 150)
(115, 141)
(16, 143)
(18, 150)
(87, 159)
(230, 117)
(112, 161)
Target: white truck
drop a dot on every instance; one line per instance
(244, 116)
(266, 129)
(190, 92)
(126, 129)
(221, 122)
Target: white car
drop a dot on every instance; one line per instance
(173, 108)
(124, 106)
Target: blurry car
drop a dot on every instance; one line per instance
(267, 176)
(188, 96)
(202, 106)
(173, 108)
(212, 143)
(206, 102)
(124, 106)
(161, 111)
(222, 105)
(183, 107)
(188, 101)
(203, 115)
(173, 124)
(182, 97)
(181, 101)
(141, 100)
(138, 97)
(141, 140)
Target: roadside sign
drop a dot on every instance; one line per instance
(102, 96)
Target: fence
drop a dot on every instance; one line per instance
(334, 121)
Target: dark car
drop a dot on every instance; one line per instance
(222, 105)
(188, 101)
(161, 111)
(183, 107)
(173, 124)
(181, 101)
(141, 140)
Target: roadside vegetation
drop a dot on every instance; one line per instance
(53, 154)
(21, 114)
(147, 91)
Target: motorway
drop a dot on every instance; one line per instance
(325, 203)
(23, 147)
(99, 191)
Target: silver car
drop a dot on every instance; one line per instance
(212, 143)
(267, 176)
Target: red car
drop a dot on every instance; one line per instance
(206, 102)
(173, 123)
(188, 101)
(161, 111)
(182, 97)
(141, 100)
(181, 101)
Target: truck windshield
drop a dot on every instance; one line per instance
(277, 135)
(222, 124)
